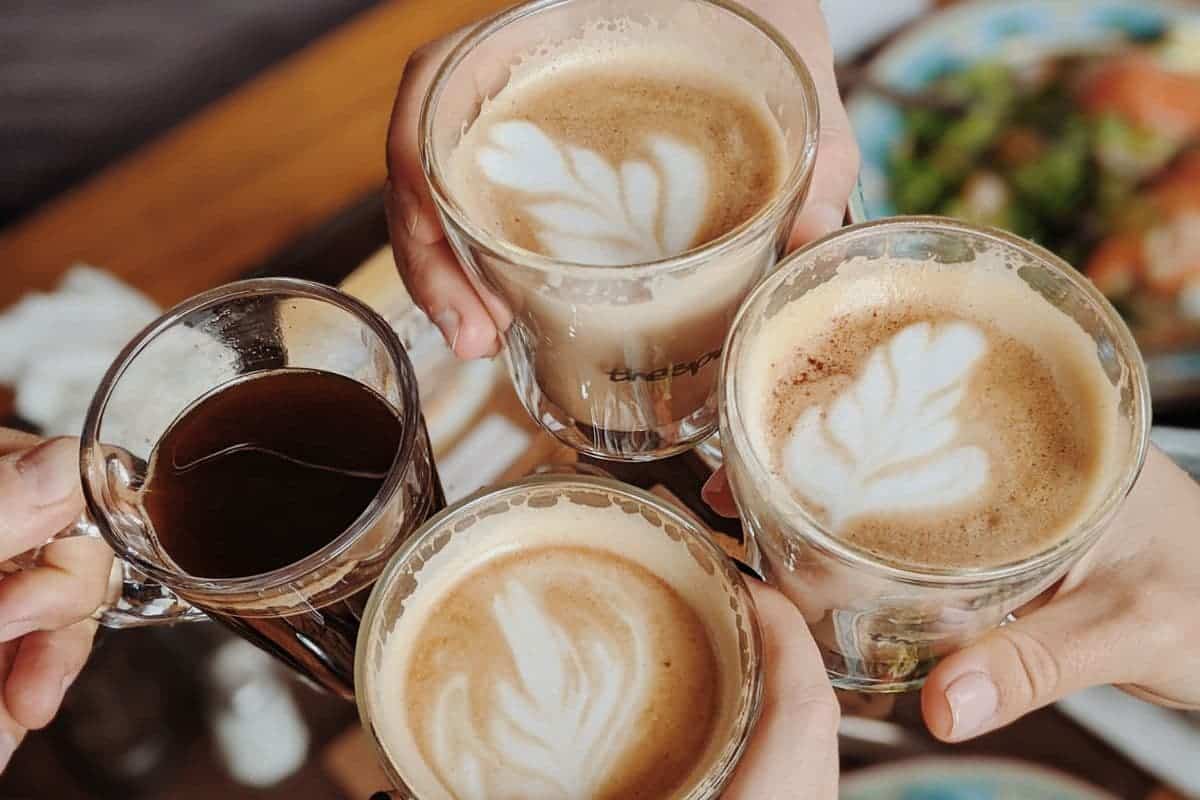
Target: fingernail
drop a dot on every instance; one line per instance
(8, 746)
(447, 321)
(409, 206)
(50, 477)
(973, 700)
(15, 629)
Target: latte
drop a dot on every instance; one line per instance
(615, 158)
(936, 415)
(574, 645)
(654, 130)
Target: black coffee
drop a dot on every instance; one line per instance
(264, 472)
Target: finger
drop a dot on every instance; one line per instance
(431, 273)
(11, 731)
(1076, 641)
(67, 586)
(718, 494)
(46, 664)
(12, 441)
(411, 198)
(837, 151)
(793, 752)
(436, 282)
(40, 494)
(834, 177)
(1159, 699)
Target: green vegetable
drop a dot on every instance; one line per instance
(917, 186)
(1055, 184)
(1024, 157)
(966, 140)
(926, 125)
(1129, 151)
(993, 94)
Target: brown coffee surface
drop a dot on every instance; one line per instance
(268, 470)
(603, 119)
(264, 472)
(577, 672)
(938, 418)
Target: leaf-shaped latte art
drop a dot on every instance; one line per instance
(888, 443)
(559, 728)
(592, 212)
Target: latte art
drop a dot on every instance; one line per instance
(592, 212)
(891, 441)
(939, 415)
(558, 724)
(608, 164)
(574, 650)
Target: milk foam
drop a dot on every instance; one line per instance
(543, 689)
(939, 414)
(890, 442)
(618, 151)
(560, 724)
(597, 212)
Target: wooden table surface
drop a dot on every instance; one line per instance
(230, 186)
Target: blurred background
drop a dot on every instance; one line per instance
(151, 151)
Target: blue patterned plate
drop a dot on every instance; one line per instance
(968, 778)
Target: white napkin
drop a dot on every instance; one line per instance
(55, 347)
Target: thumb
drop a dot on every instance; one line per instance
(39, 494)
(794, 749)
(1073, 642)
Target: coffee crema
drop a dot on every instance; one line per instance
(936, 415)
(575, 652)
(616, 156)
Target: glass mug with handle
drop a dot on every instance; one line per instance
(560, 635)
(307, 612)
(925, 425)
(615, 195)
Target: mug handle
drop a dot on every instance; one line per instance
(133, 600)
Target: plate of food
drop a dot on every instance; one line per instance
(967, 778)
(1072, 123)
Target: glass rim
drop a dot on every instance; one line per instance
(747, 712)
(816, 533)
(91, 454)
(496, 247)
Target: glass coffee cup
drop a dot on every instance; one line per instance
(884, 615)
(305, 613)
(517, 641)
(615, 350)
